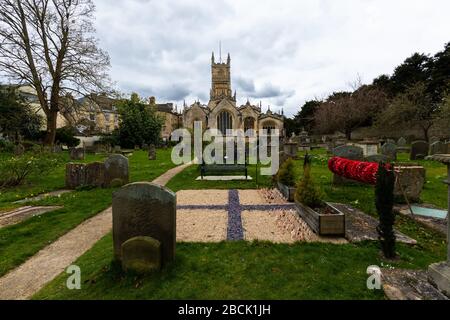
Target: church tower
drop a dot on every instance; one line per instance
(221, 79)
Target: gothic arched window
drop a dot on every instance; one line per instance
(224, 122)
(249, 124)
(269, 126)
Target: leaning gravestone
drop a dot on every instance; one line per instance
(76, 153)
(438, 147)
(419, 150)
(144, 209)
(378, 158)
(116, 171)
(349, 152)
(152, 152)
(390, 150)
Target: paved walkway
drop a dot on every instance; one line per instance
(24, 281)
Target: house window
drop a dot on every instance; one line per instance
(224, 122)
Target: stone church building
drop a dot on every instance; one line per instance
(222, 111)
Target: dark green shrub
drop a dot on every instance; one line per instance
(65, 135)
(286, 174)
(15, 170)
(6, 146)
(307, 192)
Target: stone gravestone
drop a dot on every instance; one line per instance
(419, 150)
(117, 149)
(390, 141)
(402, 142)
(75, 175)
(390, 150)
(148, 210)
(410, 182)
(57, 148)
(348, 152)
(76, 153)
(95, 174)
(116, 171)
(378, 158)
(434, 139)
(152, 152)
(438, 147)
(79, 175)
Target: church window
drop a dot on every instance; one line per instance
(224, 122)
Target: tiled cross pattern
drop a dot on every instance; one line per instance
(234, 208)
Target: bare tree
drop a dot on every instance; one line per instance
(50, 46)
(347, 111)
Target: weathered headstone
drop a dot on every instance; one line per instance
(116, 170)
(401, 142)
(390, 141)
(438, 147)
(57, 148)
(410, 182)
(117, 149)
(291, 149)
(434, 139)
(80, 174)
(95, 174)
(90, 149)
(152, 152)
(75, 175)
(419, 150)
(76, 153)
(349, 152)
(145, 209)
(389, 149)
(378, 158)
(141, 255)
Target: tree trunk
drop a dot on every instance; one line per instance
(51, 128)
(348, 134)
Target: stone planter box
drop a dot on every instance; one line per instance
(323, 224)
(287, 192)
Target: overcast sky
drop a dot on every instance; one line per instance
(282, 52)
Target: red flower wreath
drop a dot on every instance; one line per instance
(365, 172)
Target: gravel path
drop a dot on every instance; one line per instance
(27, 279)
(24, 281)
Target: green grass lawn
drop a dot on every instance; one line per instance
(186, 180)
(241, 270)
(23, 240)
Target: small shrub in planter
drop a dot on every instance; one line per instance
(286, 179)
(322, 217)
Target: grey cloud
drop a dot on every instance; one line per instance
(283, 52)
